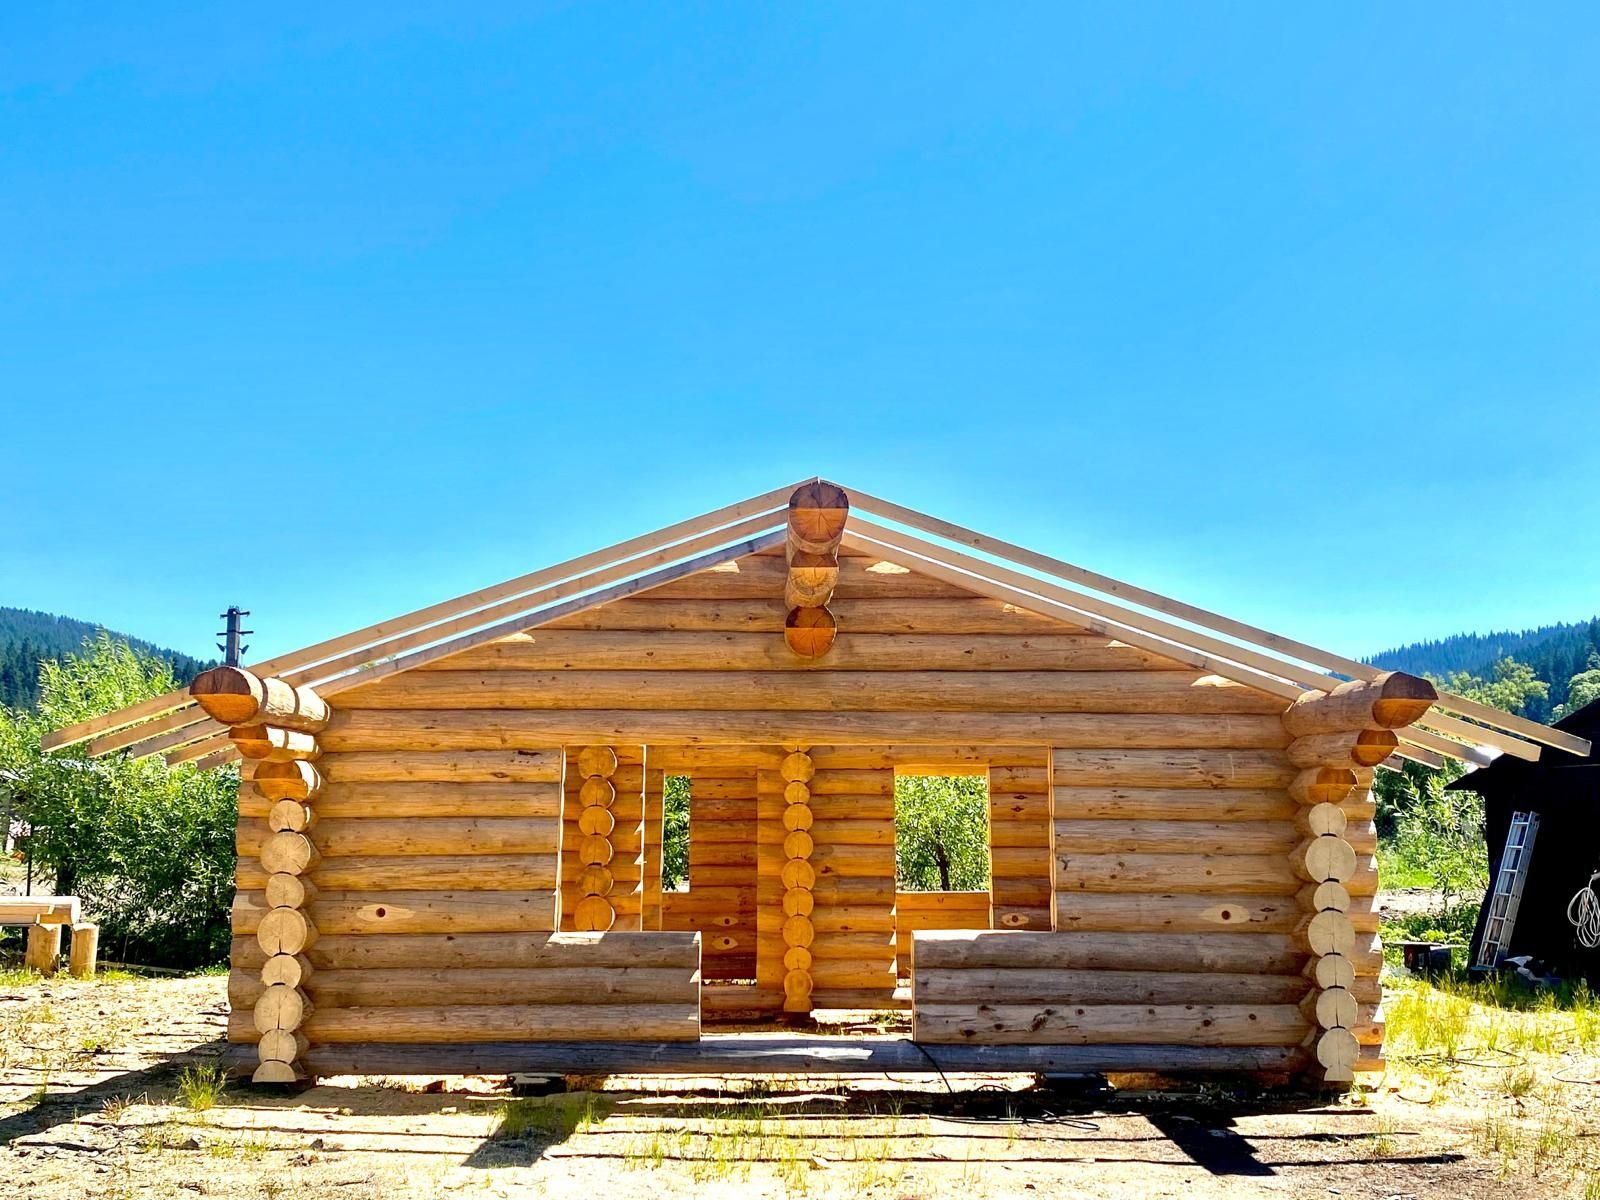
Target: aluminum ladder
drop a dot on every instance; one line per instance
(1508, 884)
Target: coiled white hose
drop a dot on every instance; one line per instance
(1584, 913)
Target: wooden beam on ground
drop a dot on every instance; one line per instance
(782, 1054)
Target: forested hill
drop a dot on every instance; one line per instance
(27, 636)
(1555, 652)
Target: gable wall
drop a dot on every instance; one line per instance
(917, 662)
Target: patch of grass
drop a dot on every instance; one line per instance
(200, 1086)
(554, 1118)
(19, 977)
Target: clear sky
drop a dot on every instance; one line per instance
(336, 310)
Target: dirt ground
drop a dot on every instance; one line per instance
(94, 1103)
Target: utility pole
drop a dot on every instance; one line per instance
(232, 651)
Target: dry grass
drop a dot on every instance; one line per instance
(1525, 1061)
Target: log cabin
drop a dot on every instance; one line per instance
(451, 824)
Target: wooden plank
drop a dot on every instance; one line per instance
(780, 1054)
(40, 910)
(976, 615)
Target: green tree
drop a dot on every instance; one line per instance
(149, 848)
(1511, 686)
(941, 833)
(675, 799)
(1583, 689)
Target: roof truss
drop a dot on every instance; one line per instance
(174, 725)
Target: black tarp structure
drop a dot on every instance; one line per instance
(1564, 789)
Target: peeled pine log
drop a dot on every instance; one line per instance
(1337, 1054)
(984, 949)
(1332, 971)
(1319, 820)
(271, 743)
(811, 580)
(84, 951)
(293, 815)
(234, 696)
(289, 852)
(1321, 859)
(292, 970)
(1127, 1024)
(456, 1023)
(1327, 933)
(281, 1045)
(287, 780)
(809, 632)
(284, 890)
(1331, 1008)
(1322, 785)
(275, 1071)
(44, 949)
(281, 1007)
(818, 512)
(1346, 748)
(1043, 987)
(1391, 701)
(1169, 912)
(285, 931)
(1328, 894)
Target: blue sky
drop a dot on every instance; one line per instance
(336, 313)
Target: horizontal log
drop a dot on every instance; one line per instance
(405, 729)
(861, 614)
(1171, 768)
(1131, 1024)
(461, 766)
(954, 691)
(508, 1022)
(545, 951)
(1225, 953)
(1175, 837)
(270, 743)
(780, 1054)
(1174, 912)
(1391, 701)
(1173, 804)
(910, 904)
(577, 650)
(423, 872)
(1361, 748)
(284, 781)
(1044, 987)
(413, 912)
(1234, 874)
(437, 835)
(443, 987)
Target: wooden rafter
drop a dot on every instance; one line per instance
(296, 659)
(1460, 705)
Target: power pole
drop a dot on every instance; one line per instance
(232, 651)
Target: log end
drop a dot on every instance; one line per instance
(230, 695)
(1372, 746)
(1402, 700)
(809, 632)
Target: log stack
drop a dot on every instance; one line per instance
(1339, 736)
(799, 877)
(274, 725)
(817, 514)
(597, 794)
